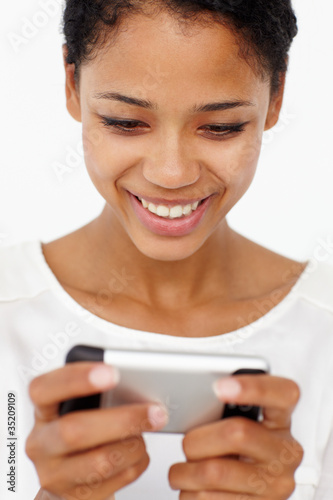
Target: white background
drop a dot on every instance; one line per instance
(289, 206)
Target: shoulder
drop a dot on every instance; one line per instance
(315, 285)
(22, 272)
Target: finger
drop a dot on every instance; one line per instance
(70, 381)
(90, 428)
(102, 490)
(235, 435)
(222, 474)
(101, 463)
(278, 396)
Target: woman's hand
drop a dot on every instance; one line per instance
(240, 459)
(91, 453)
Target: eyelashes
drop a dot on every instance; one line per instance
(124, 125)
(130, 127)
(227, 129)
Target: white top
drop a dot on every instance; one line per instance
(40, 322)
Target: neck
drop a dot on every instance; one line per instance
(120, 265)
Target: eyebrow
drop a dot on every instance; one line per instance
(143, 103)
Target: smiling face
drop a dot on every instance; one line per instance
(171, 153)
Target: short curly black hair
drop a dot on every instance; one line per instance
(264, 28)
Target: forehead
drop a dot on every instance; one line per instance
(154, 54)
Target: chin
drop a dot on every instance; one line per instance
(169, 249)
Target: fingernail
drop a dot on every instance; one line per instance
(227, 388)
(158, 416)
(103, 376)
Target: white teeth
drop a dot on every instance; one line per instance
(152, 208)
(187, 209)
(162, 211)
(171, 213)
(176, 211)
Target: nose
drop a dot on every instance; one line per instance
(171, 167)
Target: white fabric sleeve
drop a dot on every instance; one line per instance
(324, 490)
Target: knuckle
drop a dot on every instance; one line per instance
(145, 462)
(69, 430)
(45, 482)
(299, 451)
(286, 486)
(238, 431)
(100, 456)
(31, 446)
(130, 474)
(116, 457)
(48, 478)
(133, 472)
(212, 472)
(295, 393)
(34, 390)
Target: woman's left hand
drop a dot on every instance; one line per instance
(237, 458)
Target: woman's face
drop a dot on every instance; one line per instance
(174, 155)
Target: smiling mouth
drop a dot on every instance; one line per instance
(170, 212)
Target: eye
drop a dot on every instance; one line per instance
(128, 127)
(225, 129)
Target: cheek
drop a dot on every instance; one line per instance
(106, 158)
(240, 163)
(93, 142)
(236, 169)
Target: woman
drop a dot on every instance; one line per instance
(173, 98)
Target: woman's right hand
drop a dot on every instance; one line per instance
(89, 453)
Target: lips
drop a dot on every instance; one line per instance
(165, 202)
(165, 226)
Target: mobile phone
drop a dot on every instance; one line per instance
(182, 382)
